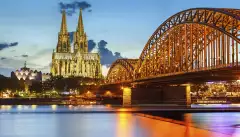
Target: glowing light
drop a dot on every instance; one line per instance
(122, 109)
(89, 106)
(108, 93)
(54, 107)
(6, 107)
(19, 107)
(92, 102)
(123, 127)
(34, 107)
(108, 105)
(127, 92)
(25, 107)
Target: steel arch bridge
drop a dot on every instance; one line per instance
(121, 71)
(192, 40)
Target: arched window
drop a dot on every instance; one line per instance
(81, 45)
(64, 46)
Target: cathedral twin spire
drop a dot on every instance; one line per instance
(80, 38)
(80, 28)
(63, 29)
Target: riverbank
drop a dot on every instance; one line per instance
(60, 101)
(173, 112)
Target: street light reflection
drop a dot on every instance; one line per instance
(124, 127)
(34, 107)
(19, 107)
(122, 109)
(54, 107)
(6, 107)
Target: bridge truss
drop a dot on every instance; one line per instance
(192, 40)
(121, 71)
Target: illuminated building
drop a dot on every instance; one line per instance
(46, 76)
(78, 62)
(29, 77)
(26, 74)
(47, 85)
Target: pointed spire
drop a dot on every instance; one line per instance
(80, 28)
(25, 64)
(64, 23)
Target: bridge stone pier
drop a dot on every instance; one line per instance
(137, 95)
(179, 95)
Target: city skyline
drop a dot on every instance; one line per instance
(29, 29)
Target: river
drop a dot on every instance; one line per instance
(15, 121)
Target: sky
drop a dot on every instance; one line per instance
(117, 28)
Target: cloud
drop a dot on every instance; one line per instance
(107, 56)
(6, 71)
(7, 45)
(24, 55)
(105, 70)
(91, 45)
(2, 58)
(13, 63)
(44, 69)
(39, 61)
(71, 7)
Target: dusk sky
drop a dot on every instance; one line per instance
(29, 28)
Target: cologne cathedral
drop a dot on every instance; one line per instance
(76, 61)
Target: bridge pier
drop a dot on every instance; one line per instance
(179, 95)
(127, 96)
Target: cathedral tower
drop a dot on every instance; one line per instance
(80, 37)
(79, 62)
(63, 44)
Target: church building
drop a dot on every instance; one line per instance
(76, 61)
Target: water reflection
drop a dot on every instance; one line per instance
(124, 127)
(19, 107)
(122, 124)
(218, 122)
(6, 107)
(54, 107)
(34, 107)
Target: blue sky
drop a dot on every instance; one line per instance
(125, 25)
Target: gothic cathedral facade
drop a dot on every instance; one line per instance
(77, 62)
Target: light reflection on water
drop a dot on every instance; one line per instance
(227, 123)
(53, 108)
(120, 124)
(69, 125)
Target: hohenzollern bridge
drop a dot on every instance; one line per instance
(194, 45)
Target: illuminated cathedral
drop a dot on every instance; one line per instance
(76, 61)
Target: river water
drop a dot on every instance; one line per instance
(14, 122)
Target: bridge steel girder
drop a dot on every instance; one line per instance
(190, 41)
(121, 71)
(193, 40)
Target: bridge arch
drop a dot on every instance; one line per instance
(192, 40)
(121, 71)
